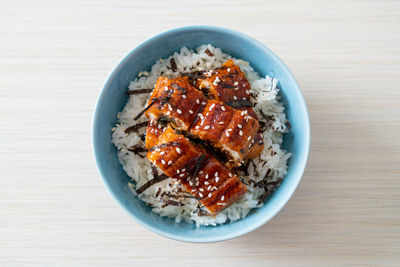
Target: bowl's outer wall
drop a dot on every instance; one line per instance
(112, 100)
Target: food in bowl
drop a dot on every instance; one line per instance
(201, 136)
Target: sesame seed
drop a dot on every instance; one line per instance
(197, 127)
(166, 88)
(222, 198)
(242, 113)
(212, 106)
(227, 134)
(235, 83)
(203, 103)
(230, 174)
(183, 170)
(208, 188)
(194, 190)
(200, 172)
(241, 133)
(209, 194)
(168, 113)
(228, 69)
(200, 194)
(239, 126)
(244, 98)
(229, 130)
(178, 150)
(221, 123)
(216, 174)
(191, 183)
(197, 101)
(247, 92)
(207, 127)
(163, 161)
(170, 162)
(220, 204)
(162, 153)
(178, 171)
(248, 138)
(206, 183)
(183, 96)
(216, 179)
(181, 175)
(169, 107)
(158, 150)
(201, 189)
(207, 176)
(223, 108)
(190, 111)
(179, 111)
(234, 97)
(197, 183)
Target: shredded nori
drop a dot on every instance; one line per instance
(208, 52)
(170, 202)
(173, 65)
(154, 181)
(136, 127)
(240, 104)
(138, 91)
(137, 149)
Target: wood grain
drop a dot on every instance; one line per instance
(54, 57)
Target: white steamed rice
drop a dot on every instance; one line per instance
(273, 156)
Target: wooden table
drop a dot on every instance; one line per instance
(54, 58)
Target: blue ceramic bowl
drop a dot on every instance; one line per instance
(112, 99)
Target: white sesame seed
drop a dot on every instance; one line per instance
(162, 153)
(223, 108)
(220, 204)
(200, 194)
(216, 179)
(234, 97)
(158, 150)
(201, 189)
(191, 183)
(207, 127)
(197, 183)
(247, 92)
(248, 138)
(184, 96)
(203, 103)
(228, 69)
(183, 170)
(178, 150)
(235, 83)
(222, 198)
(170, 162)
(168, 113)
(179, 111)
(178, 171)
(197, 101)
(221, 123)
(200, 172)
(244, 98)
(207, 176)
(216, 174)
(163, 161)
(230, 174)
(208, 188)
(166, 88)
(239, 126)
(242, 113)
(206, 183)
(212, 106)
(169, 107)
(227, 134)
(181, 175)
(197, 127)
(209, 194)
(241, 133)
(194, 190)
(190, 111)
(229, 130)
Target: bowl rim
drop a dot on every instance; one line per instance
(248, 228)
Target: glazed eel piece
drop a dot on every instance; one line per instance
(227, 129)
(200, 173)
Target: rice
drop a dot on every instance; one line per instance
(270, 165)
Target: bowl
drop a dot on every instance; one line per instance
(112, 99)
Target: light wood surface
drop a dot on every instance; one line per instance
(54, 58)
